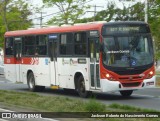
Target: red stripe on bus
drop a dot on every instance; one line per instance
(24, 60)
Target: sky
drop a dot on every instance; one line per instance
(101, 3)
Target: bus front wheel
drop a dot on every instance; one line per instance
(126, 93)
(81, 88)
(31, 83)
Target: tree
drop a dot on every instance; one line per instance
(70, 10)
(113, 13)
(108, 14)
(14, 16)
(134, 13)
(3, 9)
(154, 21)
(104, 15)
(131, 13)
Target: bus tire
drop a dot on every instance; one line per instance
(126, 93)
(31, 83)
(81, 88)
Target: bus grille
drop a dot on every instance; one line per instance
(130, 78)
(135, 84)
(129, 72)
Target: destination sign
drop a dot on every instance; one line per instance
(122, 29)
(93, 33)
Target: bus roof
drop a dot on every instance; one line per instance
(71, 28)
(89, 26)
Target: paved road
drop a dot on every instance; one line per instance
(147, 98)
(1, 69)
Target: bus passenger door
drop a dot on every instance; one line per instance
(52, 46)
(94, 63)
(18, 57)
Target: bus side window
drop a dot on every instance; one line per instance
(41, 45)
(29, 45)
(9, 46)
(66, 44)
(80, 43)
(92, 51)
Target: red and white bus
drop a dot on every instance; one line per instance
(91, 57)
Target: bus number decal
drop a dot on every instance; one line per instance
(8, 61)
(73, 62)
(82, 61)
(46, 61)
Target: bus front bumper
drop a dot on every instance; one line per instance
(113, 86)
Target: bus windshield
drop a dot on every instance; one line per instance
(127, 51)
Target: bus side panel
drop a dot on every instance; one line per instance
(42, 76)
(10, 72)
(24, 69)
(81, 65)
(39, 69)
(68, 67)
(64, 73)
(9, 69)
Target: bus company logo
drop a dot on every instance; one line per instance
(73, 62)
(65, 61)
(34, 61)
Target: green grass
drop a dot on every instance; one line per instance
(127, 108)
(158, 81)
(94, 106)
(49, 103)
(36, 102)
(33, 100)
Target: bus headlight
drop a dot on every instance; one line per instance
(150, 75)
(110, 77)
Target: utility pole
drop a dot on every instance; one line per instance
(95, 10)
(41, 18)
(146, 11)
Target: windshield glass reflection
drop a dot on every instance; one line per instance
(127, 51)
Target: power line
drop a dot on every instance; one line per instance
(45, 16)
(55, 13)
(95, 10)
(42, 17)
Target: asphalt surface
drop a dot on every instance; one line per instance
(146, 98)
(1, 69)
